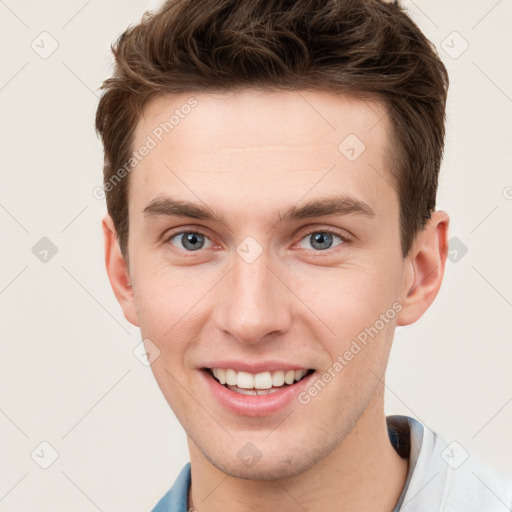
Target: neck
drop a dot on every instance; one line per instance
(362, 473)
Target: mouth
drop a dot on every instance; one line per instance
(263, 383)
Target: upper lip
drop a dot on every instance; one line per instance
(255, 367)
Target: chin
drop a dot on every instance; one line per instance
(264, 470)
(270, 463)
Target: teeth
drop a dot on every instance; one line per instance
(289, 377)
(244, 391)
(266, 391)
(252, 391)
(231, 378)
(263, 382)
(278, 378)
(244, 380)
(221, 375)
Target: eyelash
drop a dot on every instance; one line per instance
(344, 239)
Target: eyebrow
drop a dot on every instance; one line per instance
(333, 205)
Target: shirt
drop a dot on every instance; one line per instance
(441, 477)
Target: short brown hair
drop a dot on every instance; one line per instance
(368, 47)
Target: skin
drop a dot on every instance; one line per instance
(249, 155)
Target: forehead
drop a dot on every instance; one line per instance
(263, 148)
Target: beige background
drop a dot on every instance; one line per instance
(68, 375)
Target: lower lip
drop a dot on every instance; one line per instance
(254, 405)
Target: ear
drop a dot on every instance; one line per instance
(118, 271)
(424, 268)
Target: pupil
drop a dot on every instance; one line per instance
(192, 241)
(324, 240)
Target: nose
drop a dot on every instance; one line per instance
(254, 304)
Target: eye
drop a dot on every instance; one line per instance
(189, 240)
(322, 240)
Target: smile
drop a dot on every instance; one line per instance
(262, 383)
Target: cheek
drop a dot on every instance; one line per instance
(349, 300)
(170, 303)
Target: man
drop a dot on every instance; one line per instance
(271, 171)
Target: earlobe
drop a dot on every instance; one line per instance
(118, 271)
(424, 268)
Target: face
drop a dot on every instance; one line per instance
(264, 239)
